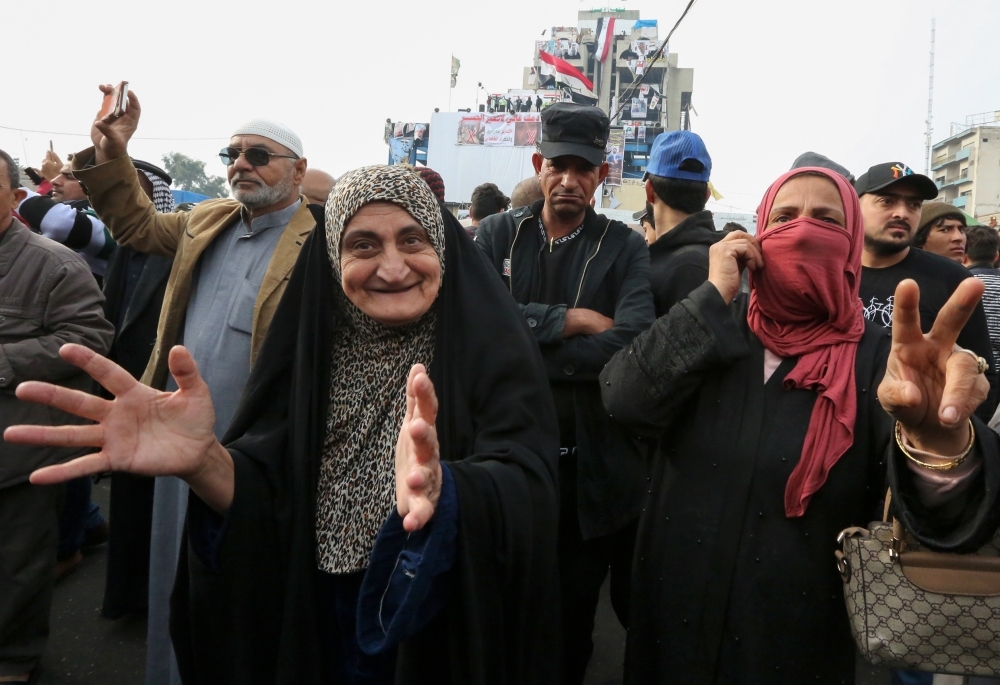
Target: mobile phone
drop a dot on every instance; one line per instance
(114, 103)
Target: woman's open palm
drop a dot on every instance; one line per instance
(142, 431)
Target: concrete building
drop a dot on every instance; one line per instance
(644, 96)
(966, 166)
(638, 91)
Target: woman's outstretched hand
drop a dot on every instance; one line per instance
(142, 431)
(418, 456)
(930, 386)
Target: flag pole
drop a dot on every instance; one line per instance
(451, 78)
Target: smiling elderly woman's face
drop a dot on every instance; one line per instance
(389, 269)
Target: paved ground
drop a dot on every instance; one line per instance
(86, 649)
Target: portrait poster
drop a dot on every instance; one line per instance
(420, 131)
(397, 130)
(654, 102)
(640, 134)
(638, 108)
(615, 157)
(629, 132)
(645, 48)
(644, 90)
(470, 130)
(527, 129)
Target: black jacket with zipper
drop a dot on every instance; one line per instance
(614, 280)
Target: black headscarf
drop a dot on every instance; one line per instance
(254, 618)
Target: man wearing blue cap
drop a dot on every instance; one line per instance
(582, 281)
(677, 188)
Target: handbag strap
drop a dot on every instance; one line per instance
(898, 545)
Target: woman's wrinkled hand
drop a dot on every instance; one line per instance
(141, 431)
(930, 386)
(728, 258)
(418, 455)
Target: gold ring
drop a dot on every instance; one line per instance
(981, 365)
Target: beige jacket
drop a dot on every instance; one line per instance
(120, 202)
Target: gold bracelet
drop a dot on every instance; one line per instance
(937, 467)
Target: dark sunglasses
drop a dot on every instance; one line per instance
(255, 156)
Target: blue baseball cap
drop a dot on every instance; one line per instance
(680, 154)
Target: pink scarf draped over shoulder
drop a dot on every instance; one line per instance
(804, 303)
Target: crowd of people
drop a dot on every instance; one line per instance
(353, 441)
(511, 104)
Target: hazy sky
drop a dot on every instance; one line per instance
(773, 78)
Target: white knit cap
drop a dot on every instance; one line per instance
(272, 130)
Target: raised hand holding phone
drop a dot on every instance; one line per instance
(110, 136)
(51, 165)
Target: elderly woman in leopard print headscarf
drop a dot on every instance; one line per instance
(383, 508)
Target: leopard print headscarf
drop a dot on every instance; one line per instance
(357, 486)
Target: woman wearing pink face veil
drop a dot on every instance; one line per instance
(775, 414)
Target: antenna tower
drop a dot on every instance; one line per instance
(930, 107)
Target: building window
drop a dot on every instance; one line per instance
(967, 193)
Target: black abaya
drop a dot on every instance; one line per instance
(726, 588)
(252, 617)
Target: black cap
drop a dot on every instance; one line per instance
(572, 129)
(882, 176)
(640, 215)
(153, 169)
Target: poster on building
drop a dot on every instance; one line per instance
(498, 130)
(527, 129)
(615, 157)
(567, 49)
(629, 132)
(399, 150)
(640, 67)
(503, 129)
(640, 134)
(644, 90)
(654, 101)
(470, 130)
(638, 108)
(406, 130)
(644, 48)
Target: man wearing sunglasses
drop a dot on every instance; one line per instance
(232, 260)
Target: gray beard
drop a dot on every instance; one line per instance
(263, 195)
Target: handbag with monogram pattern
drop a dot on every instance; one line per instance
(915, 609)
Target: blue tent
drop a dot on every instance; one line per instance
(187, 196)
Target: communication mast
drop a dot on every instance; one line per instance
(930, 107)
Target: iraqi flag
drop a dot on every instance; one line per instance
(566, 73)
(605, 38)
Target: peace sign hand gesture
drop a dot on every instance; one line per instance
(418, 455)
(930, 386)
